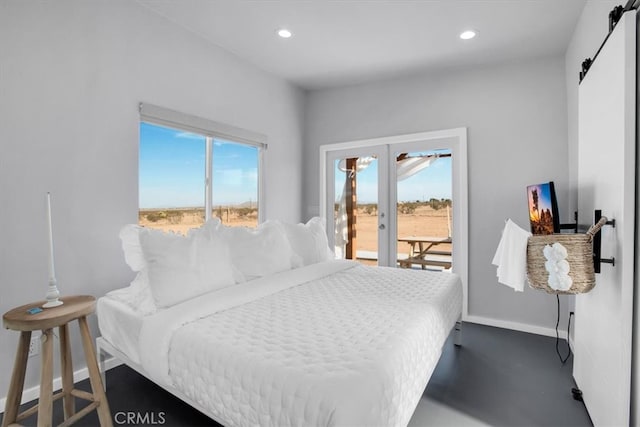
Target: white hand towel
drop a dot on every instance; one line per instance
(511, 256)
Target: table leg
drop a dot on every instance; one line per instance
(67, 371)
(102, 356)
(12, 404)
(104, 414)
(45, 404)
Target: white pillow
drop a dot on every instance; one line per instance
(183, 267)
(209, 229)
(261, 251)
(143, 301)
(309, 241)
(133, 255)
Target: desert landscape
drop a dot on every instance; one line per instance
(423, 221)
(181, 220)
(414, 219)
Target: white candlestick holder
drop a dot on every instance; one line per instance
(52, 291)
(52, 295)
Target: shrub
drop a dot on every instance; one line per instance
(245, 212)
(436, 204)
(175, 217)
(156, 216)
(407, 208)
(370, 209)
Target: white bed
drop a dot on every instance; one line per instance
(331, 343)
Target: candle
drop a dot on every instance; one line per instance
(52, 273)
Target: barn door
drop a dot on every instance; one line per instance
(606, 181)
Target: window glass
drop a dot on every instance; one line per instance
(235, 183)
(180, 187)
(171, 178)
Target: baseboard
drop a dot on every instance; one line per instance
(516, 326)
(33, 393)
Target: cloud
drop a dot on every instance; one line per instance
(189, 135)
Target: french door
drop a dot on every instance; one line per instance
(398, 201)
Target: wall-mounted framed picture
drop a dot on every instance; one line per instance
(543, 208)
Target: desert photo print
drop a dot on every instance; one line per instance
(542, 210)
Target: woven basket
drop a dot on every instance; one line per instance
(579, 256)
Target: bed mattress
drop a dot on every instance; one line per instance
(120, 323)
(334, 343)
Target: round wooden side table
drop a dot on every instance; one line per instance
(19, 319)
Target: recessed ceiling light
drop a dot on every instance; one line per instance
(284, 33)
(468, 35)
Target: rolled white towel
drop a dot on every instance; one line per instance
(511, 256)
(558, 267)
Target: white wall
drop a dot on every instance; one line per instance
(516, 119)
(71, 76)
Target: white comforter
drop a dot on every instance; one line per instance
(334, 343)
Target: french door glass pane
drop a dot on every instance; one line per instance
(424, 209)
(356, 209)
(171, 178)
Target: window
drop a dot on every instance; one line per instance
(191, 169)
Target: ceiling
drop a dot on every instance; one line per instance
(344, 42)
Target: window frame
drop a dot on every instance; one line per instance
(211, 130)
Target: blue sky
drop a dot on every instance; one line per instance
(431, 182)
(544, 197)
(172, 170)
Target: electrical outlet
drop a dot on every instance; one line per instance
(34, 346)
